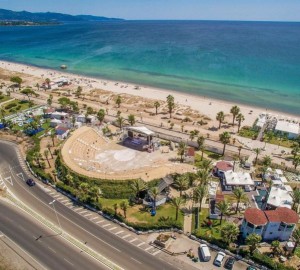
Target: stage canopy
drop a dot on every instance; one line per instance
(142, 130)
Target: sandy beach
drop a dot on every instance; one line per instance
(205, 106)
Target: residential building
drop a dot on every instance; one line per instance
(55, 122)
(280, 196)
(271, 225)
(221, 167)
(62, 132)
(287, 127)
(59, 115)
(233, 179)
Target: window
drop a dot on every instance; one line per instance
(271, 233)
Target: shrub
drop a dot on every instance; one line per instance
(1, 97)
(269, 262)
(10, 105)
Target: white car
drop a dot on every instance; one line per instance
(219, 258)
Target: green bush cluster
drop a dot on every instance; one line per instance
(10, 105)
(269, 262)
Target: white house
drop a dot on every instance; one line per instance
(271, 224)
(291, 129)
(233, 179)
(280, 196)
(55, 122)
(59, 115)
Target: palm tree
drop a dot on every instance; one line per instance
(46, 154)
(252, 240)
(17, 80)
(177, 203)
(171, 104)
(78, 92)
(47, 81)
(154, 192)
(220, 117)
(181, 150)
(138, 185)
(295, 149)
(203, 176)
(52, 135)
(131, 119)
(275, 246)
(267, 160)
(268, 137)
(257, 152)
(156, 105)
(235, 110)
(229, 232)
(223, 208)
(240, 195)
(116, 209)
(192, 135)
(264, 170)
(200, 142)
(240, 118)
(181, 183)
(69, 180)
(296, 238)
(101, 115)
(225, 139)
(206, 165)
(120, 121)
(37, 157)
(118, 101)
(296, 197)
(49, 149)
(123, 206)
(199, 193)
(240, 149)
(296, 161)
(54, 172)
(95, 192)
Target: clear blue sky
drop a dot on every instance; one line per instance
(266, 10)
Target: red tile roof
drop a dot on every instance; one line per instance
(255, 216)
(272, 216)
(224, 166)
(191, 152)
(287, 215)
(219, 198)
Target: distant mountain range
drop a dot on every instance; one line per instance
(9, 15)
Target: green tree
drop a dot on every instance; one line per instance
(257, 152)
(206, 165)
(90, 110)
(200, 142)
(229, 233)
(296, 198)
(240, 118)
(120, 121)
(156, 105)
(46, 154)
(296, 238)
(101, 115)
(123, 206)
(170, 104)
(203, 176)
(295, 150)
(17, 80)
(267, 160)
(118, 101)
(78, 92)
(225, 139)
(192, 135)
(28, 92)
(253, 240)
(131, 119)
(275, 246)
(181, 150)
(182, 183)
(116, 209)
(296, 161)
(239, 195)
(37, 86)
(64, 102)
(47, 82)
(154, 192)
(235, 110)
(199, 193)
(223, 207)
(177, 203)
(50, 100)
(138, 186)
(220, 117)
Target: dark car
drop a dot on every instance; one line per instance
(229, 263)
(251, 268)
(30, 182)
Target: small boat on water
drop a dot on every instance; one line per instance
(63, 67)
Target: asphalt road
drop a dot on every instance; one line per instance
(50, 250)
(109, 245)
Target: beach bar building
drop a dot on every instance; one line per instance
(285, 127)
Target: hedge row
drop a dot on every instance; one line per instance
(269, 262)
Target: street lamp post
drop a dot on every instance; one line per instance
(56, 215)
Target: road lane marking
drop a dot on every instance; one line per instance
(105, 225)
(9, 180)
(94, 218)
(141, 244)
(87, 215)
(118, 232)
(148, 248)
(78, 209)
(125, 236)
(169, 263)
(56, 196)
(157, 252)
(134, 239)
(112, 228)
(68, 262)
(52, 249)
(69, 203)
(64, 201)
(135, 260)
(84, 211)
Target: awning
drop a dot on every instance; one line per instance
(142, 130)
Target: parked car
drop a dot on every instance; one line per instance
(205, 254)
(251, 268)
(229, 263)
(30, 182)
(219, 258)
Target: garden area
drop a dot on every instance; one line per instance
(16, 106)
(248, 132)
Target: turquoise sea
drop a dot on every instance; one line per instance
(256, 63)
